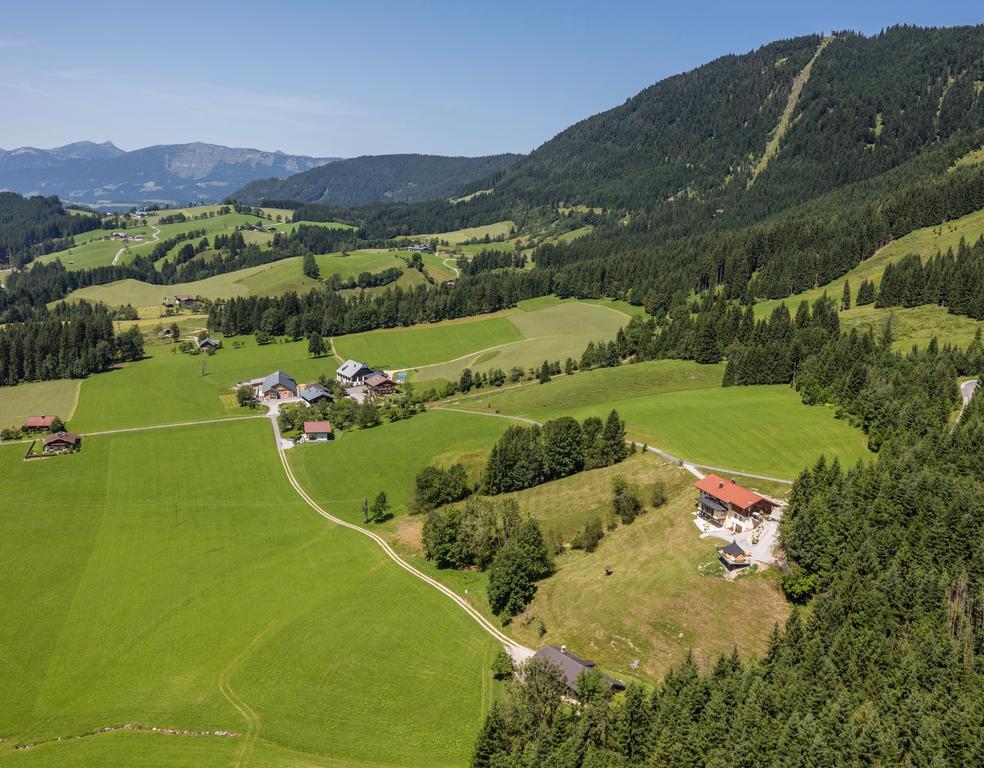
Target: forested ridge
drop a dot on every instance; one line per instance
(378, 178)
(30, 226)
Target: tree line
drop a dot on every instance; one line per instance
(526, 456)
(72, 345)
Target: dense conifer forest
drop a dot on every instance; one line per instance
(30, 226)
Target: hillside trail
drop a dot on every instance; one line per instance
(155, 238)
(967, 390)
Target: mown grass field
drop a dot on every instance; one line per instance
(915, 325)
(149, 585)
(537, 330)
(39, 398)
(763, 430)
(395, 348)
(361, 463)
(461, 235)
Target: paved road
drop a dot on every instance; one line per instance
(692, 468)
(967, 390)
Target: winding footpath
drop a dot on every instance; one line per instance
(518, 652)
(156, 237)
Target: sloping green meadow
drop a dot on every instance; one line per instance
(173, 579)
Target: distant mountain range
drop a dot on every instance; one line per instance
(105, 175)
(379, 178)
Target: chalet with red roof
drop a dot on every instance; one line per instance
(317, 431)
(729, 505)
(39, 423)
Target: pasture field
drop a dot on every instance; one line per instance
(536, 330)
(137, 593)
(915, 325)
(461, 235)
(271, 279)
(396, 348)
(38, 398)
(91, 250)
(656, 606)
(762, 430)
(554, 332)
(169, 387)
(361, 463)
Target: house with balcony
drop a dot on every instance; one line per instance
(731, 506)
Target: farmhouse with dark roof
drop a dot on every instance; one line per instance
(570, 667)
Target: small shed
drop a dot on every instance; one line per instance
(733, 556)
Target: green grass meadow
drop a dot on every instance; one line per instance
(359, 464)
(911, 325)
(38, 398)
(679, 406)
(151, 585)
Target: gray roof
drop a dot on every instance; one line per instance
(351, 368)
(571, 666)
(709, 501)
(313, 392)
(207, 340)
(279, 377)
(733, 549)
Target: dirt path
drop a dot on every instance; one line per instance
(156, 237)
(518, 652)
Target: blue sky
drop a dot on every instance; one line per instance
(331, 78)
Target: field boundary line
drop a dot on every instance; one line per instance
(516, 650)
(690, 466)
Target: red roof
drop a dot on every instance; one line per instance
(376, 379)
(730, 492)
(313, 427)
(39, 422)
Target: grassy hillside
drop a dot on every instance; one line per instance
(656, 606)
(541, 329)
(345, 471)
(679, 407)
(911, 325)
(169, 601)
(271, 279)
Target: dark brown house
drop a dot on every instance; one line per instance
(60, 442)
